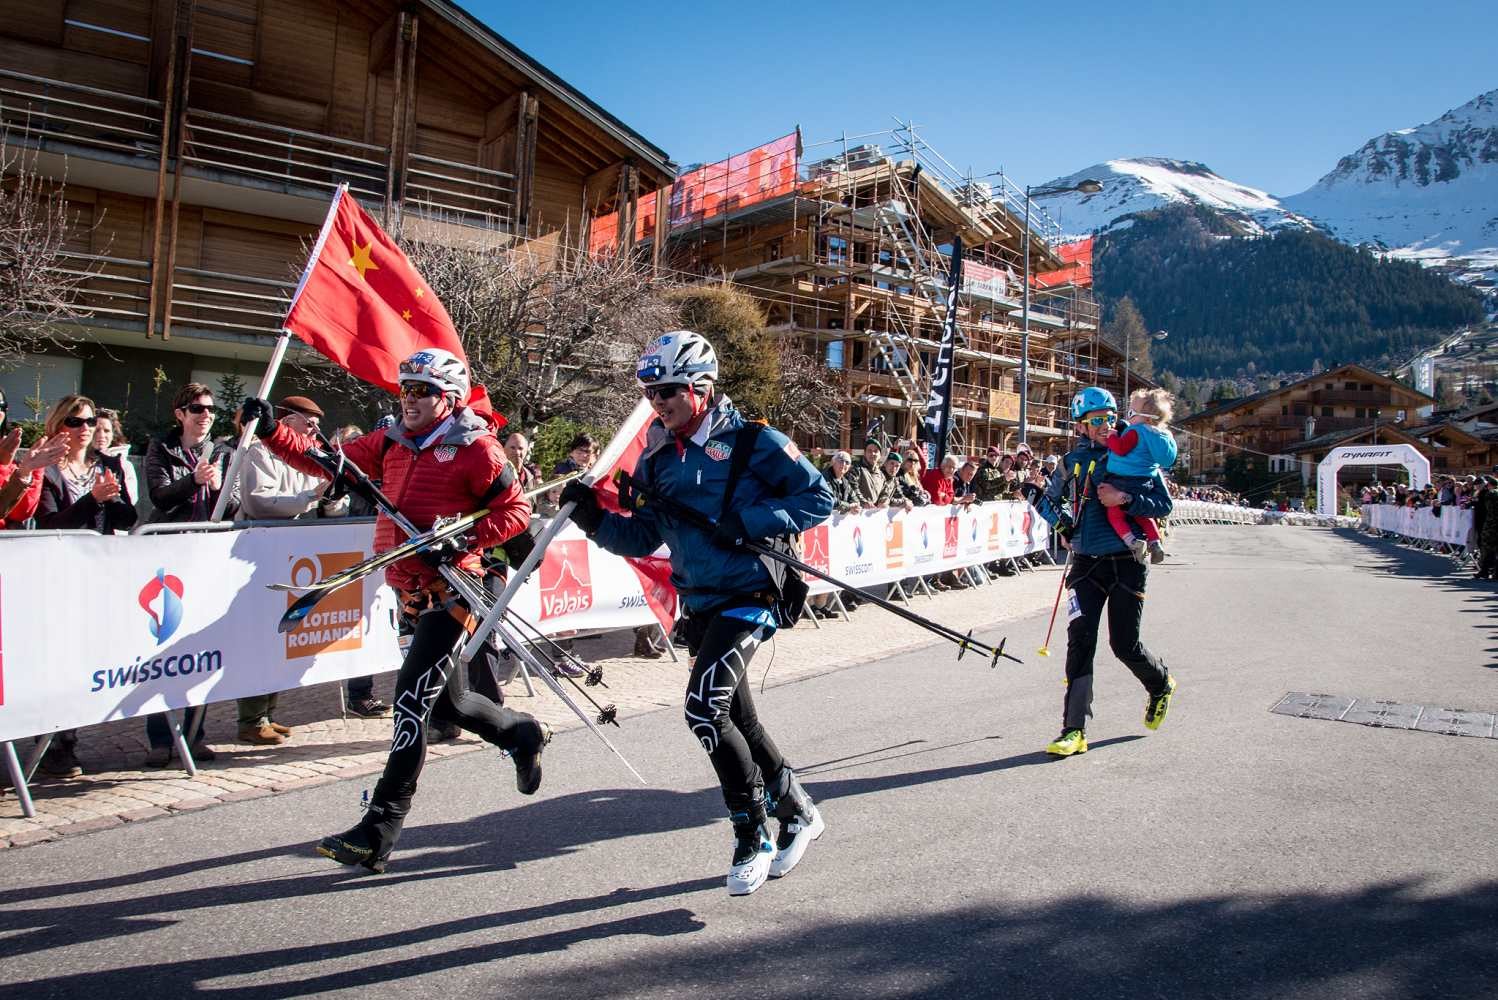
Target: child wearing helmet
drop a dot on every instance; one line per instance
(1139, 452)
(754, 482)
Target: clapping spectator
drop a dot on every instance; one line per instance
(109, 439)
(185, 472)
(21, 482)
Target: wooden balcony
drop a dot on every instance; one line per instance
(238, 303)
(70, 118)
(240, 150)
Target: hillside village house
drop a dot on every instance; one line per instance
(1297, 423)
(201, 142)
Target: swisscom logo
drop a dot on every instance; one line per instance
(166, 589)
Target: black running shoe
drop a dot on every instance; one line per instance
(528, 762)
(355, 847)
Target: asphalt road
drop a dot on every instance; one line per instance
(1233, 853)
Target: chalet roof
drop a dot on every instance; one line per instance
(1341, 371)
(1333, 438)
(652, 155)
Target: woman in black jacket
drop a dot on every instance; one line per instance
(184, 468)
(85, 489)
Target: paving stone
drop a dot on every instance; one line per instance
(140, 815)
(28, 837)
(90, 825)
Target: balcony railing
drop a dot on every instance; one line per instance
(276, 155)
(216, 301)
(53, 114)
(110, 288)
(462, 192)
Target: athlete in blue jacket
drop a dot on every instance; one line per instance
(728, 592)
(1103, 570)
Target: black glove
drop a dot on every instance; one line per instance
(257, 409)
(585, 513)
(447, 551)
(1064, 527)
(730, 532)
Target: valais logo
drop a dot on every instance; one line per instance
(949, 538)
(167, 590)
(814, 548)
(566, 581)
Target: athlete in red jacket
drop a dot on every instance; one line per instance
(440, 460)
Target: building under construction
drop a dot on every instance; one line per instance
(850, 253)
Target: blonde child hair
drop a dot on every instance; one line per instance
(1156, 403)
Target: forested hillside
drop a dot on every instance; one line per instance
(1279, 302)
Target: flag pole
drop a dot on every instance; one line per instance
(278, 354)
(606, 461)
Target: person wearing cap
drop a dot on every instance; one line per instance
(989, 480)
(271, 490)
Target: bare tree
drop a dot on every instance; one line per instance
(549, 333)
(811, 396)
(40, 286)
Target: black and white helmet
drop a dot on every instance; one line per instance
(440, 368)
(680, 357)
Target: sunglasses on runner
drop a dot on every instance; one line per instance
(1100, 421)
(77, 422)
(198, 409)
(418, 390)
(663, 391)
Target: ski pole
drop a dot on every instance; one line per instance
(702, 521)
(1045, 649)
(470, 590)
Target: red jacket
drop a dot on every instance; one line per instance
(465, 469)
(939, 486)
(26, 505)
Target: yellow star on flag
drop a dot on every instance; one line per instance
(406, 315)
(361, 259)
(420, 292)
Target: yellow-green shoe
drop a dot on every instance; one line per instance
(1070, 742)
(1156, 707)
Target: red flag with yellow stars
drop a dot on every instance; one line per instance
(363, 306)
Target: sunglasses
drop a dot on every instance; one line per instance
(418, 390)
(198, 409)
(77, 422)
(653, 392)
(1099, 421)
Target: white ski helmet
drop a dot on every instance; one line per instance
(440, 368)
(680, 357)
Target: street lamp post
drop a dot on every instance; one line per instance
(1088, 186)
(1129, 355)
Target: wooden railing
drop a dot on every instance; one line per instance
(242, 149)
(217, 301)
(54, 114)
(110, 288)
(460, 192)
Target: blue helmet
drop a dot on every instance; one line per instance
(1092, 398)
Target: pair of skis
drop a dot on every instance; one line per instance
(468, 588)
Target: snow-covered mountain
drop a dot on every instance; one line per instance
(1428, 193)
(1147, 183)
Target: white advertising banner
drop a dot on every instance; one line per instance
(98, 628)
(94, 628)
(1453, 526)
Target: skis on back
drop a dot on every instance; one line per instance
(315, 592)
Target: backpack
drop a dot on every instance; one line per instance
(790, 586)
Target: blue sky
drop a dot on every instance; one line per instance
(1269, 94)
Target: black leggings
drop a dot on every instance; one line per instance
(720, 710)
(1118, 584)
(428, 688)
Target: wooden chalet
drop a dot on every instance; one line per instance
(1341, 400)
(200, 141)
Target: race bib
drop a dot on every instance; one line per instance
(1073, 606)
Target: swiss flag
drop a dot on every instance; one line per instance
(363, 306)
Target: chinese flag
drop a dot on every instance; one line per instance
(363, 306)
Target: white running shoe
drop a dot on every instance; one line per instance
(753, 853)
(796, 835)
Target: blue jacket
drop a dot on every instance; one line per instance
(1154, 451)
(1094, 536)
(780, 493)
